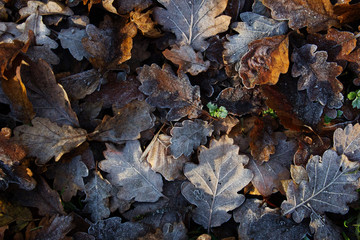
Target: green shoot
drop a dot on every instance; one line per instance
(355, 98)
(214, 111)
(270, 112)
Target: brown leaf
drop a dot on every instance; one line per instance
(187, 59)
(265, 60)
(163, 162)
(317, 76)
(12, 212)
(165, 90)
(50, 8)
(46, 139)
(316, 15)
(145, 24)
(127, 123)
(125, 7)
(10, 152)
(49, 99)
(45, 199)
(347, 13)
(8, 53)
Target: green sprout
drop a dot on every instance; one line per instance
(270, 112)
(355, 98)
(214, 111)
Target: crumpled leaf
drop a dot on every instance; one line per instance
(10, 152)
(163, 162)
(317, 76)
(55, 227)
(48, 98)
(265, 60)
(136, 178)
(12, 212)
(193, 21)
(323, 228)
(40, 8)
(189, 135)
(97, 192)
(332, 184)
(165, 90)
(68, 177)
(316, 15)
(71, 39)
(113, 229)
(127, 124)
(252, 27)
(145, 24)
(268, 175)
(214, 183)
(45, 199)
(263, 223)
(46, 139)
(347, 141)
(187, 59)
(9, 52)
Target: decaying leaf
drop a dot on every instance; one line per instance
(193, 21)
(214, 183)
(10, 152)
(113, 229)
(322, 227)
(12, 212)
(71, 39)
(97, 192)
(268, 175)
(347, 141)
(48, 98)
(189, 135)
(163, 162)
(316, 15)
(265, 60)
(68, 177)
(127, 124)
(40, 8)
(145, 24)
(187, 59)
(46, 139)
(252, 27)
(125, 7)
(136, 178)
(332, 184)
(9, 52)
(263, 223)
(165, 90)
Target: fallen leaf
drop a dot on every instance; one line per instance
(332, 184)
(48, 98)
(265, 60)
(127, 123)
(234, 8)
(68, 177)
(165, 90)
(97, 192)
(71, 39)
(40, 8)
(9, 51)
(163, 162)
(187, 59)
(193, 21)
(317, 76)
(215, 182)
(314, 14)
(347, 141)
(12, 212)
(347, 13)
(145, 24)
(224, 125)
(113, 229)
(125, 7)
(189, 135)
(323, 228)
(136, 178)
(10, 153)
(268, 175)
(45, 139)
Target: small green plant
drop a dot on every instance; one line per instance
(355, 98)
(214, 111)
(328, 119)
(270, 112)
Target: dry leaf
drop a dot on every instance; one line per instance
(9, 52)
(135, 178)
(145, 24)
(12, 212)
(125, 7)
(71, 39)
(187, 59)
(322, 227)
(46, 139)
(215, 182)
(265, 60)
(193, 21)
(40, 8)
(165, 90)
(347, 141)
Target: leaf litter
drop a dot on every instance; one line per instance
(105, 133)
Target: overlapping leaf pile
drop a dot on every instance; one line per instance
(105, 133)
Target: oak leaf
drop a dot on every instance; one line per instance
(316, 15)
(45, 139)
(189, 135)
(323, 228)
(145, 24)
(317, 76)
(165, 90)
(187, 59)
(136, 178)
(40, 8)
(71, 39)
(215, 182)
(347, 141)
(265, 60)
(9, 52)
(13, 212)
(193, 21)
(332, 184)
